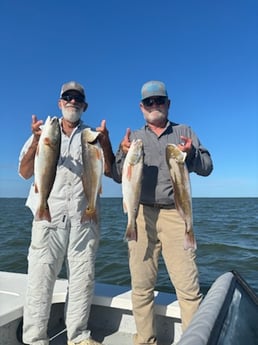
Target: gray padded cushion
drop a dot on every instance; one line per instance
(200, 328)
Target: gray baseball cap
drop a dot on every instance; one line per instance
(72, 85)
(153, 88)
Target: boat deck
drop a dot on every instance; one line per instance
(113, 326)
(117, 338)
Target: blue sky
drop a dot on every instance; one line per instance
(205, 51)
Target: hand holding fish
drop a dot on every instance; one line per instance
(105, 143)
(186, 144)
(27, 162)
(104, 135)
(36, 126)
(125, 143)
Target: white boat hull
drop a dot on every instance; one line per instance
(111, 320)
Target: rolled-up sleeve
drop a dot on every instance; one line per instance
(199, 159)
(117, 166)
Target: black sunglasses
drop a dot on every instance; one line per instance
(77, 98)
(148, 102)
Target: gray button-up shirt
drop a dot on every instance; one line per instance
(156, 183)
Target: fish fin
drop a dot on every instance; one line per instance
(36, 188)
(189, 241)
(47, 141)
(124, 207)
(179, 207)
(98, 155)
(37, 151)
(129, 172)
(184, 155)
(89, 215)
(43, 213)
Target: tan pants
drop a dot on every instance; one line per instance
(161, 230)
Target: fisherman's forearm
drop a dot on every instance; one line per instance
(109, 156)
(117, 166)
(109, 159)
(26, 169)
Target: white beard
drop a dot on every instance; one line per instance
(155, 117)
(72, 114)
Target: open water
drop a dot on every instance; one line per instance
(226, 230)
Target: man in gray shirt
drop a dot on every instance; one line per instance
(160, 228)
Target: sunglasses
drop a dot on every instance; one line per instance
(77, 98)
(148, 102)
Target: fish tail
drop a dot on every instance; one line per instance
(89, 214)
(43, 213)
(190, 241)
(131, 233)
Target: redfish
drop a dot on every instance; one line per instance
(45, 164)
(131, 186)
(93, 169)
(182, 190)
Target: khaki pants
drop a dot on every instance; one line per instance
(161, 230)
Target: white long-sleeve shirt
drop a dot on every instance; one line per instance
(67, 198)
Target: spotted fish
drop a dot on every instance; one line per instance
(182, 190)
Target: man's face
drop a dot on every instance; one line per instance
(72, 105)
(155, 109)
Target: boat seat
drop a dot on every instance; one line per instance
(116, 296)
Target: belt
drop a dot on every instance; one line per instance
(160, 206)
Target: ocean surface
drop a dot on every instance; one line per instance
(226, 230)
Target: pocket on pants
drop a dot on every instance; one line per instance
(41, 238)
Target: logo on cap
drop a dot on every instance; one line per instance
(72, 85)
(153, 88)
